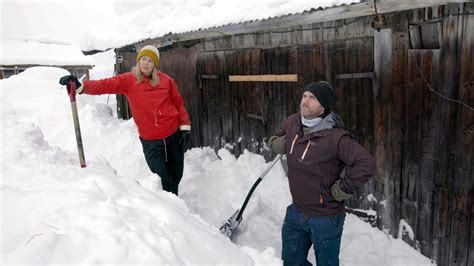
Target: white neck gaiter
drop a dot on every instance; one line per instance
(311, 122)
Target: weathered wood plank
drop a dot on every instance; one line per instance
(461, 250)
(399, 80)
(266, 78)
(383, 43)
(465, 143)
(447, 231)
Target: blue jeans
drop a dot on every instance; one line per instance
(300, 231)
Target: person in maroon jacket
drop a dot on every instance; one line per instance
(318, 148)
(157, 109)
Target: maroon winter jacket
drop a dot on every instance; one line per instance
(316, 159)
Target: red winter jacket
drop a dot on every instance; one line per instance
(158, 111)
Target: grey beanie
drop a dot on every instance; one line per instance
(324, 92)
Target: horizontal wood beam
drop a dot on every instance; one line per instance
(208, 76)
(370, 75)
(258, 117)
(260, 78)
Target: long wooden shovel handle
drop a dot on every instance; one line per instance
(71, 88)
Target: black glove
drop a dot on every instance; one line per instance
(185, 140)
(65, 80)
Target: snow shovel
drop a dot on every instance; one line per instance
(71, 91)
(228, 228)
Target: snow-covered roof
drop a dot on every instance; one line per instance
(41, 52)
(164, 17)
(194, 19)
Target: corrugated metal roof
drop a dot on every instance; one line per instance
(303, 12)
(159, 19)
(308, 16)
(313, 15)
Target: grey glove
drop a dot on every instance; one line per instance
(277, 144)
(337, 193)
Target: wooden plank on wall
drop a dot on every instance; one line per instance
(398, 113)
(383, 48)
(453, 202)
(422, 147)
(264, 78)
(466, 141)
(460, 80)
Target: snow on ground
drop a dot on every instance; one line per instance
(114, 211)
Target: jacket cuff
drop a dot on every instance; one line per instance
(80, 89)
(185, 127)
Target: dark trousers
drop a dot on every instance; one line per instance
(166, 159)
(300, 231)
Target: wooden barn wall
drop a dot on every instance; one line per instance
(397, 105)
(424, 131)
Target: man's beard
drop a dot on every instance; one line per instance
(308, 113)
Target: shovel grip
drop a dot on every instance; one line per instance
(71, 90)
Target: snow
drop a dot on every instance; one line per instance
(405, 229)
(107, 24)
(114, 210)
(42, 52)
(60, 20)
(163, 17)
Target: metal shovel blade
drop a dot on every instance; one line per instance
(228, 228)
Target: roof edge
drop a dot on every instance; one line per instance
(365, 8)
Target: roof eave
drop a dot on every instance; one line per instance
(365, 8)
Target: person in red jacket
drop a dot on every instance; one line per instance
(318, 148)
(157, 109)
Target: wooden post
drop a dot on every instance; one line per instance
(383, 181)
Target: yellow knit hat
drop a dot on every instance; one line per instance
(151, 52)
